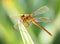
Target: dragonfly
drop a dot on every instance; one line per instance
(26, 18)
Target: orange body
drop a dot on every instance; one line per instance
(28, 17)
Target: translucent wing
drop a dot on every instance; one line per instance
(43, 19)
(41, 10)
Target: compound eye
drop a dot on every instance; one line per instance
(22, 16)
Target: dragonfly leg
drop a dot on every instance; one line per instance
(15, 26)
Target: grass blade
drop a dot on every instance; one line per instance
(25, 35)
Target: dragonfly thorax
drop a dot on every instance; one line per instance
(26, 18)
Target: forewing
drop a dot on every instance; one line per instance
(41, 10)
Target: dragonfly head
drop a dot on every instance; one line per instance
(22, 17)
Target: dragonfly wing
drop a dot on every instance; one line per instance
(43, 19)
(41, 10)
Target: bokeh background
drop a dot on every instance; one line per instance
(9, 35)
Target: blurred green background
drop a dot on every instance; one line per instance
(9, 35)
